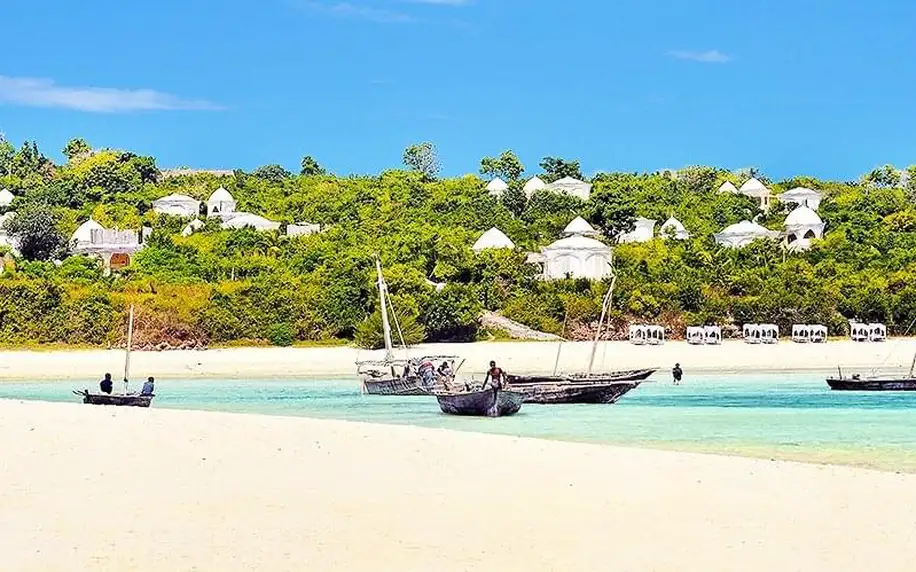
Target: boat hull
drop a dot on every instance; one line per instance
(129, 400)
(482, 403)
(394, 386)
(609, 377)
(571, 393)
(888, 384)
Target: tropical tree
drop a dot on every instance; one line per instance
(35, 230)
(310, 167)
(423, 159)
(507, 166)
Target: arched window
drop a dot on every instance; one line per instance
(810, 234)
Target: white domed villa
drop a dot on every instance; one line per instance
(576, 256)
(802, 225)
(497, 187)
(220, 203)
(674, 229)
(743, 233)
(492, 239)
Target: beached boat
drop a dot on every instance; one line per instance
(490, 402)
(125, 399)
(391, 376)
(590, 387)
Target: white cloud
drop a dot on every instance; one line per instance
(707, 57)
(358, 11)
(37, 92)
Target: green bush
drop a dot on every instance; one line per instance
(280, 335)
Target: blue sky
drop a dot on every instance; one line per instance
(821, 87)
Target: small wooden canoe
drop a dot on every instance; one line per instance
(125, 400)
(481, 403)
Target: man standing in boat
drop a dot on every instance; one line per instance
(495, 375)
(106, 385)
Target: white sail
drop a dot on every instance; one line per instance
(605, 306)
(383, 295)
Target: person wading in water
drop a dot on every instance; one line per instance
(677, 373)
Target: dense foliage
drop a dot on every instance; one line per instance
(242, 286)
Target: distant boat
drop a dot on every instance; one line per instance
(122, 399)
(392, 376)
(491, 402)
(590, 387)
(874, 383)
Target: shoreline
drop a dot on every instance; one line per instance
(233, 491)
(732, 357)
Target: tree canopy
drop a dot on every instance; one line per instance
(232, 286)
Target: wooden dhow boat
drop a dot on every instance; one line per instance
(874, 383)
(567, 393)
(590, 387)
(405, 376)
(489, 402)
(125, 399)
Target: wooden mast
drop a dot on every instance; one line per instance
(130, 335)
(383, 294)
(605, 306)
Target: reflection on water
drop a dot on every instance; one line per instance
(788, 416)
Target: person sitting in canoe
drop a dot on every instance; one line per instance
(147, 387)
(494, 376)
(106, 385)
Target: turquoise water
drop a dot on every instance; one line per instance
(787, 417)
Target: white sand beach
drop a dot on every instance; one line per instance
(519, 357)
(93, 488)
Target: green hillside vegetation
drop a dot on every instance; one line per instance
(242, 286)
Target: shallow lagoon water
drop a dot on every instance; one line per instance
(786, 416)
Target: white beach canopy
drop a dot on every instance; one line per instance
(802, 196)
(533, 185)
(573, 187)
(673, 227)
(579, 226)
(497, 187)
(644, 231)
(696, 335)
(743, 233)
(242, 220)
(220, 202)
(177, 205)
(6, 198)
(577, 256)
(493, 238)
